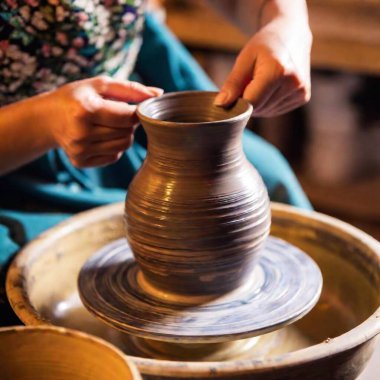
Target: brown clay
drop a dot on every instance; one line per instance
(197, 212)
(197, 220)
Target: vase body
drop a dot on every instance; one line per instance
(197, 212)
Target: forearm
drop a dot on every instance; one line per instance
(251, 15)
(23, 135)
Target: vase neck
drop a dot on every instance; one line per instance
(211, 144)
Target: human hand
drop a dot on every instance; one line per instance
(92, 120)
(272, 71)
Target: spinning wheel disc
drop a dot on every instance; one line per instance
(286, 284)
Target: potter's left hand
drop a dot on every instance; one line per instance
(272, 71)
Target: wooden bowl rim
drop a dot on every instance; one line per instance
(351, 339)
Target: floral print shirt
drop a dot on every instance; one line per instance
(46, 43)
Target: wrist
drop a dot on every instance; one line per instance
(24, 133)
(292, 31)
(274, 10)
(39, 108)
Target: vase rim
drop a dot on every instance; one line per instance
(143, 114)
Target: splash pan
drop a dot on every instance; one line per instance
(333, 341)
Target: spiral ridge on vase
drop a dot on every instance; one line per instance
(197, 212)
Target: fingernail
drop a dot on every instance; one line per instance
(221, 99)
(156, 91)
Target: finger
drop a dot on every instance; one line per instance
(126, 91)
(268, 77)
(102, 134)
(281, 109)
(288, 86)
(293, 100)
(259, 92)
(112, 113)
(109, 147)
(237, 80)
(96, 161)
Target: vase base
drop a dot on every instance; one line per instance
(223, 351)
(286, 284)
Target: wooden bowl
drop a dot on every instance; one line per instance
(334, 341)
(45, 353)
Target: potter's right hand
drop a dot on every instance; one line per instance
(92, 120)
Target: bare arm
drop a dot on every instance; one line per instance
(23, 137)
(90, 119)
(251, 15)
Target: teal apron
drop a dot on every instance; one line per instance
(49, 190)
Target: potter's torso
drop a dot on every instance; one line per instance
(46, 43)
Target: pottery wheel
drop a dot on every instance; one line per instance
(286, 284)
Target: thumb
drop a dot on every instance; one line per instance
(237, 80)
(126, 91)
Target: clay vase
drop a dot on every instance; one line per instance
(197, 213)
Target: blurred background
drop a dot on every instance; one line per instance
(333, 143)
